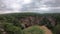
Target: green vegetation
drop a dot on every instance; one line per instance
(11, 23)
(11, 29)
(56, 29)
(33, 30)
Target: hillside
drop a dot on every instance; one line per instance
(45, 29)
(15, 23)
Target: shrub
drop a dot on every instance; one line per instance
(11, 29)
(56, 29)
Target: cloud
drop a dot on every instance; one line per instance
(40, 6)
(27, 1)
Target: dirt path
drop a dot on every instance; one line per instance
(47, 31)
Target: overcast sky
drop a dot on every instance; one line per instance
(38, 6)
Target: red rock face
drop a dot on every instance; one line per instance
(31, 20)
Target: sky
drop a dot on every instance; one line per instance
(38, 6)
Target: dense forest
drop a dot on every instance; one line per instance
(16, 23)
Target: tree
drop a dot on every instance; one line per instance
(11, 29)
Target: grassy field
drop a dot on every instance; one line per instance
(37, 30)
